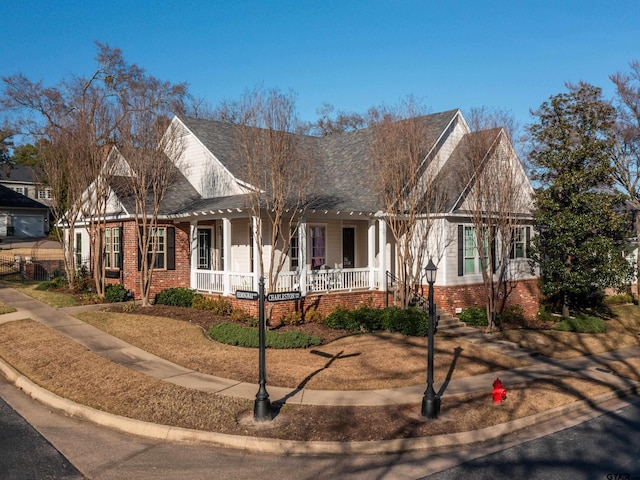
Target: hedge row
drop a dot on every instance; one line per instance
(411, 321)
(241, 336)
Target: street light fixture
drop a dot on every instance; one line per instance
(262, 404)
(430, 401)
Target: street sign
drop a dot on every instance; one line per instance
(283, 296)
(246, 295)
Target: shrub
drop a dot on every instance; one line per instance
(411, 321)
(83, 281)
(217, 306)
(368, 318)
(116, 293)
(177, 297)
(581, 324)
(313, 316)
(292, 317)
(234, 334)
(619, 299)
(511, 314)
(54, 284)
(342, 319)
(474, 316)
(240, 316)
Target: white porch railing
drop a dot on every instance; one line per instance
(323, 280)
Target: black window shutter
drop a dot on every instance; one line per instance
(512, 248)
(171, 248)
(138, 248)
(121, 256)
(460, 250)
(494, 260)
(528, 240)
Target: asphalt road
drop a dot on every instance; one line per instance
(27, 455)
(604, 448)
(99, 453)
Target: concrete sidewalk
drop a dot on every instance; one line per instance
(132, 357)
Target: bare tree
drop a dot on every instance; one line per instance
(405, 185)
(80, 120)
(498, 199)
(76, 120)
(329, 124)
(626, 155)
(151, 148)
(281, 176)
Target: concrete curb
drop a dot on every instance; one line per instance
(280, 446)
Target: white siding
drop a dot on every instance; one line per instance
(205, 172)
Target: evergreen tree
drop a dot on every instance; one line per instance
(580, 244)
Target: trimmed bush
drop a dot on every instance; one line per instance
(177, 297)
(581, 324)
(411, 321)
(342, 319)
(474, 316)
(234, 334)
(116, 293)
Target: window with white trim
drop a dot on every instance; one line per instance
(294, 250)
(520, 242)
(112, 247)
(159, 240)
(472, 260)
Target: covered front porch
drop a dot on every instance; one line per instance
(326, 255)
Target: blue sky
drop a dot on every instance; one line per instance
(353, 54)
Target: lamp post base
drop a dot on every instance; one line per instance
(430, 407)
(262, 410)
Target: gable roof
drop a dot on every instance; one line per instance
(11, 199)
(19, 174)
(343, 163)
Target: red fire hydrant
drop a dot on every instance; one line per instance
(499, 393)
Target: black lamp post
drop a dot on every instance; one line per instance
(262, 404)
(430, 401)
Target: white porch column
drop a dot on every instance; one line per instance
(371, 253)
(193, 252)
(226, 240)
(257, 237)
(302, 256)
(382, 260)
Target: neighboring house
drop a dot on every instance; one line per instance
(25, 180)
(343, 249)
(20, 216)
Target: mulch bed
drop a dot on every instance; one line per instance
(206, 320)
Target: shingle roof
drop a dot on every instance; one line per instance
(178, 196)
(11, 199)
(343, 163)
(18, 173)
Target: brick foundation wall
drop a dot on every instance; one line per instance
(525, 293)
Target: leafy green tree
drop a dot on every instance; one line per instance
(579, 248)
(5, 146)
(27, 154)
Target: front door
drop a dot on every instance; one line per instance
(204, 249)
(348, 247)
